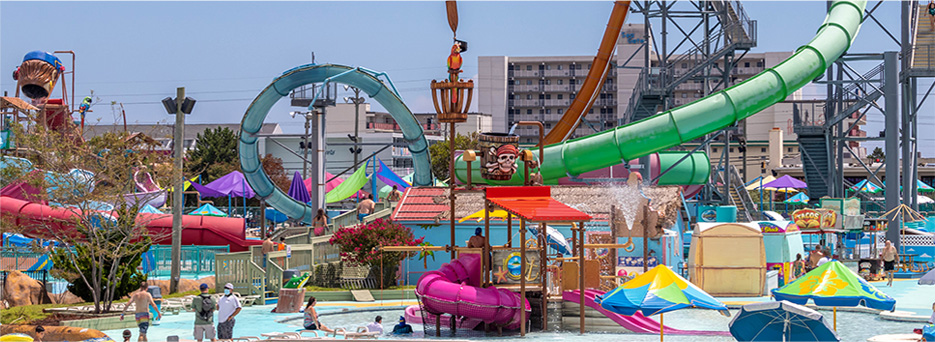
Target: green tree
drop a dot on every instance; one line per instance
(214, 154)
(440, 153)
(101, 244)
(877, 155)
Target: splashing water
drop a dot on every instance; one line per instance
(627, 199)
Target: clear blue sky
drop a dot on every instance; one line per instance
(224, 53)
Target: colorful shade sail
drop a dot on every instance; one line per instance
(922, 187)
(657, 291)
(799, 198)
(297, 189)
(348, 187)
(833, 284)
(865, 186)
(208, 210)
(231, 184)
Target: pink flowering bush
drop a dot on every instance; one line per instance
(359, 244)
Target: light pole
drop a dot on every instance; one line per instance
(308, 119)
(357, 101)
(179, 106)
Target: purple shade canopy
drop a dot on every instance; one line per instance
(297, 189)
(231, 184)
(786, 182)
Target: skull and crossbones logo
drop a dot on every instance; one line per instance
(502, 160)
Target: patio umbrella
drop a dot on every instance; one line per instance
(297, 189)
(799, 198)
(922, 187)
(555, 238)
(785, 183)
(658, 291)
(275, 216)
(928, 278)
(833, 284)
(208, 210)
(780, 321)
(757, 183)
(865, 186)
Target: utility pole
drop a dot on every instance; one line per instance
(357, 100)
(177, 196)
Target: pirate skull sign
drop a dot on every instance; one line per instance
(498, 156)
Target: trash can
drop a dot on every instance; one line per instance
(156, 292)
(727, 213)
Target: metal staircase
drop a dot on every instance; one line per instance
(922, 54)
(814, 148)
(738, 196)
(653, 86)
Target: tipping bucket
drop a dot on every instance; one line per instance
(498, 155)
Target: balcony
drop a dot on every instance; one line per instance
(526, 88)
(556, 88)
(394, 127)
(525, 73)
(557, 73)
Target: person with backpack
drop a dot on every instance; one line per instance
(204, 307)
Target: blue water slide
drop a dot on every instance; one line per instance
(360, 78)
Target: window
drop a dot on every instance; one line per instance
(746, 64)
(684, 95)
(511, 96)
(548, 96)
(541, 111)
(541, 96)
(714, 150)
(578, 66)
(548, 125)
(529, 67)
(571, 96)
(559, 67)
(684, 65)
(789, 150)
(528, 97)
(560, 96)
(541, 66)
(529, 111)
(571, 82)
(591, 111)
(697, 95)
(516, 82)
(528, 82)
(759, 64)
(548, 67)
(763, 149)
(548, 111)
(589, 65)
(510, 68)
(571, 67)
(548, 81)
(541, 82)
(610, 110)
(560, 82)
(560, 111)
(731, 150)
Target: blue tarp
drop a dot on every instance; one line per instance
(18, 240)
(389, 178)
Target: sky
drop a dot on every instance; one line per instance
(225, 53)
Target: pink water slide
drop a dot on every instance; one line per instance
(454, 289)
(198, 230)
(636, 323)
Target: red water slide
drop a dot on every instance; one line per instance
(197, 230)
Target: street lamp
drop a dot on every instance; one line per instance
(179, 106)
(357, 100)
(308, 118)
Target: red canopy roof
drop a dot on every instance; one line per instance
(534, 203)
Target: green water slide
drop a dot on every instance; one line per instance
(709, 114)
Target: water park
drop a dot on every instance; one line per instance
(579, 226)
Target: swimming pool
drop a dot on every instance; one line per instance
(256, 320)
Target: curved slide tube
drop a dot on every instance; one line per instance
(708, 114)
(454, 289)
(636, 323)
(198, 230)
(596, 76)
(314, 73)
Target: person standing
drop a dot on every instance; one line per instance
(813, 257)
(889, 255)
(320, 222)
(228, 307)
(394, 195)
(931, 8)
(204, 307)
(798, 266)
(141, 301)
(267, 247)
(824, 258)
(365, 208)
(376, 326)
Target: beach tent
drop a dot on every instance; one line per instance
(723, 253)
(208, 210)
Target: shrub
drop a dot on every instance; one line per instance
(359, 244)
